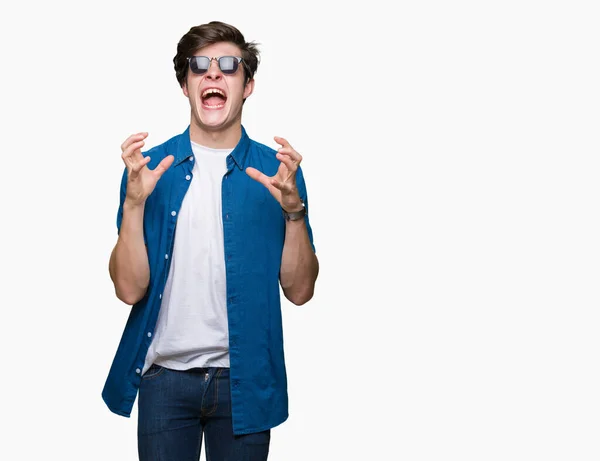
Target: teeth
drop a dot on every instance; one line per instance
(212, 91)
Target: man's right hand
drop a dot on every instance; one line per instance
(141, 180)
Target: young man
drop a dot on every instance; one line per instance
(210, 223)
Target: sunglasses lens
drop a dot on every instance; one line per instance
(228, 64)
(199, 64)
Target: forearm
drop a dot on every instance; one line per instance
(129, 267)
(299, 264)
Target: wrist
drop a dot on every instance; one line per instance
(132, 206)
(294, 223)
(293, 209)
(292, 202)
(292, 205)
(292, 213)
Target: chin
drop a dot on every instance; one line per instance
(213, 119)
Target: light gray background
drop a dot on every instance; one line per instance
(451, 157)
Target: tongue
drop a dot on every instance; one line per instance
(214, 101)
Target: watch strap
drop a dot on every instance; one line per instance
(294, 215)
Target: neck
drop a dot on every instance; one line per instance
(226, 138)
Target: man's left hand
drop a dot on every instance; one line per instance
(282, 185)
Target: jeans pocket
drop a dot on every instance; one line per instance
(153, 371)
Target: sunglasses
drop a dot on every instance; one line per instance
(228, 64)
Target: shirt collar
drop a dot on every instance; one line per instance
(239, 154)
(184, 147)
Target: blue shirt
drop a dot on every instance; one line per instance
(253, 234)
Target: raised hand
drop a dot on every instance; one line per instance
(282, 185)
(141, 180)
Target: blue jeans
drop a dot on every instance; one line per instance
(176, 408)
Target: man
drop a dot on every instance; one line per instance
(210, 223)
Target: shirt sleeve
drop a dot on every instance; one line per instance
(300, 183)
(122, 200)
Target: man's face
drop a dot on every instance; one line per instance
(217, 110)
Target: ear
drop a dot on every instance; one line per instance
(185, 90)
(248, 89)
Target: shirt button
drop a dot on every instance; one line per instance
(166, 256)
(192, 158)
(138, 371)
(188, 177)
(173, 213)
(227, 216)
(149, 335)
(160, 296)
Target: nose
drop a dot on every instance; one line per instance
(214, 72)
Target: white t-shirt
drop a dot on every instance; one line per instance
(192, 329)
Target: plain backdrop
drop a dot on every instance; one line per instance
(451, 158)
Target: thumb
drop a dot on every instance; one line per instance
(258, 176)
(253, 173)
(164, 165)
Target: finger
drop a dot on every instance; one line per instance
(282, 141)
(258, 176)
(283, 187)
(132, 147)
(138, 165)
(133, 153)
(296, 157)
(287, 161)
(164, 165)
(133, 138)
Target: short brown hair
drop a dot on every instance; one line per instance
(208, 34)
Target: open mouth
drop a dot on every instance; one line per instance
(213, 98)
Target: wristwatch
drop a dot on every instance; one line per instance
(295, 215)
